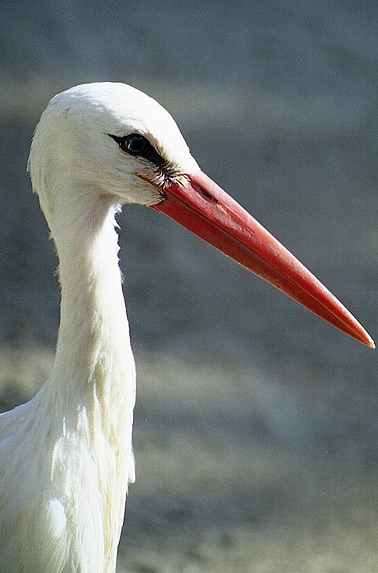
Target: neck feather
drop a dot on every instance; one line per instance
(94, 366)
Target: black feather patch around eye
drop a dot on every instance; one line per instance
(137, 145)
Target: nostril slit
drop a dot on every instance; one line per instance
(206, 194)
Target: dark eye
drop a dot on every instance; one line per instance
(134, 144)
(137, 145)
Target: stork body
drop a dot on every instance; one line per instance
(66, 456)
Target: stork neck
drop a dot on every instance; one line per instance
(93, 350)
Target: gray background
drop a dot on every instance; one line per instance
(256, 423)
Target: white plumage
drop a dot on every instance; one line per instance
(66, 456)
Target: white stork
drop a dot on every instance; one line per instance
(66, 455)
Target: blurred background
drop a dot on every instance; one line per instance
(256, 423)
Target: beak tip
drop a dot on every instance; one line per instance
(367, 340)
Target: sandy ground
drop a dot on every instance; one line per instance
(256, 424)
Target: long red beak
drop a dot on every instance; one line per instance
(204, 208)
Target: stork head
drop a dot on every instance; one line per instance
(109, 139)
(105, 144)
